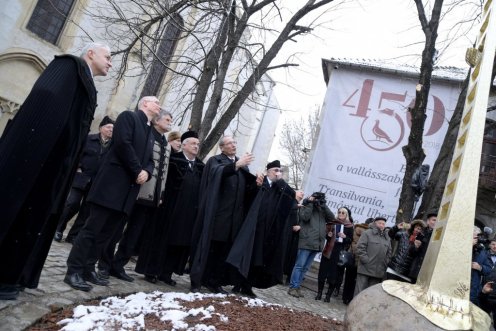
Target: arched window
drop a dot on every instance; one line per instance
(165, 52)
(48, 18)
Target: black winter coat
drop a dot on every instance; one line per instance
(131, 151)
(39, 154)
(402, 259)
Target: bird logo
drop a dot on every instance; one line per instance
(382, 131)
(379, 133)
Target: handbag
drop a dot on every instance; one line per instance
(346, 259)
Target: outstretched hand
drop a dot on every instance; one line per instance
(245, 160)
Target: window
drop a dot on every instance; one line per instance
(165, 51)
(48, 18)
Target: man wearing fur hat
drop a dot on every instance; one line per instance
(94, 151)
(373, 252)
(258, 252)
(405, 234)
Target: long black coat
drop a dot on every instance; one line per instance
(131, 151)
(225, 196)
(175, 219)
(258, 252)
(39, 154)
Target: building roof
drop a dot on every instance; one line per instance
(439, 73)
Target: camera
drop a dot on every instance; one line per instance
(319, 198)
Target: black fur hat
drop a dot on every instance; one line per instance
(106, 120)
(273, 164)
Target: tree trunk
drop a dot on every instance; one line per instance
(413, 152)
(431, 199)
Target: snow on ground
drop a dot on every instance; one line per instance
(129, 312)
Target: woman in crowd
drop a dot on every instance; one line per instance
(339, 236)
(405, 234)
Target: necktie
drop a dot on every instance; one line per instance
(191, 164)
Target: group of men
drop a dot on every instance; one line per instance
(127, 178)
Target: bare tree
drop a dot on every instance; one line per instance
(413, 152)
(296, 141)
(224, 50)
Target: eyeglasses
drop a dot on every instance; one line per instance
(341, 212)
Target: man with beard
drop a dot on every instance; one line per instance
(39, 154)
(149, 199)
(168, 243)
(95, 149)
(225, 190)
(128, 165)
(258, 252)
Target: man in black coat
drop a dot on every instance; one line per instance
(145, 209)
(258, 252)
(95, 149)
(168, 236)
(129, 163)
(225, 191)
(39, 154)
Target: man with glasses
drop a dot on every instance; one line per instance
(258, 252)
(226, 190)
(128, 165)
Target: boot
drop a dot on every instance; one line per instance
(319, 291)
(329, 293)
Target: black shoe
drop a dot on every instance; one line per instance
(336, 292)
(236, 289)
(77, 282)
(103, 274)
(58, 236)
(121, 275)
(92, 277)
(194, 289)
(69, 240)
(168, 281)
(216, 289)
(318, 296)
(8, 292)
(151, 279)
(346, 301)
(247, 291)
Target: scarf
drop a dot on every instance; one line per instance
(329, 245)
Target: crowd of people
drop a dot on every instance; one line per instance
(139, 190)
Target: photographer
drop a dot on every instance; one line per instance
(312, 218)
(480, 267)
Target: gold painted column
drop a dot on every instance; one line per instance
(442, 291)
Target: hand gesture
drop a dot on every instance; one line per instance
(260, 178)
(245, 160)
(417, 243)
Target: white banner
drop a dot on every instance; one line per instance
(357, 160)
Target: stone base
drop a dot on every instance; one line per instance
(374, 309)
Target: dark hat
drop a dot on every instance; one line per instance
(106, 120)
(273, 164)
(173, 135)
(189, 134)
(369, 220)
(380, 218)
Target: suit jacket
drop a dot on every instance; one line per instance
(131, 151)
(39, 154)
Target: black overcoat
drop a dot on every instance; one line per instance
(175, 220)
(225, 195)
(39, 154)
(258, 252)
(115, 185)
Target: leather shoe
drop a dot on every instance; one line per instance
(69, 240)
(121, 275)
(216, 289)
(77, 282)
(194, 289)
(92, 277)
(103, 274)
(168, 281)
(151, 279)
(248, 292)
(8, 292)
(58, 236)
